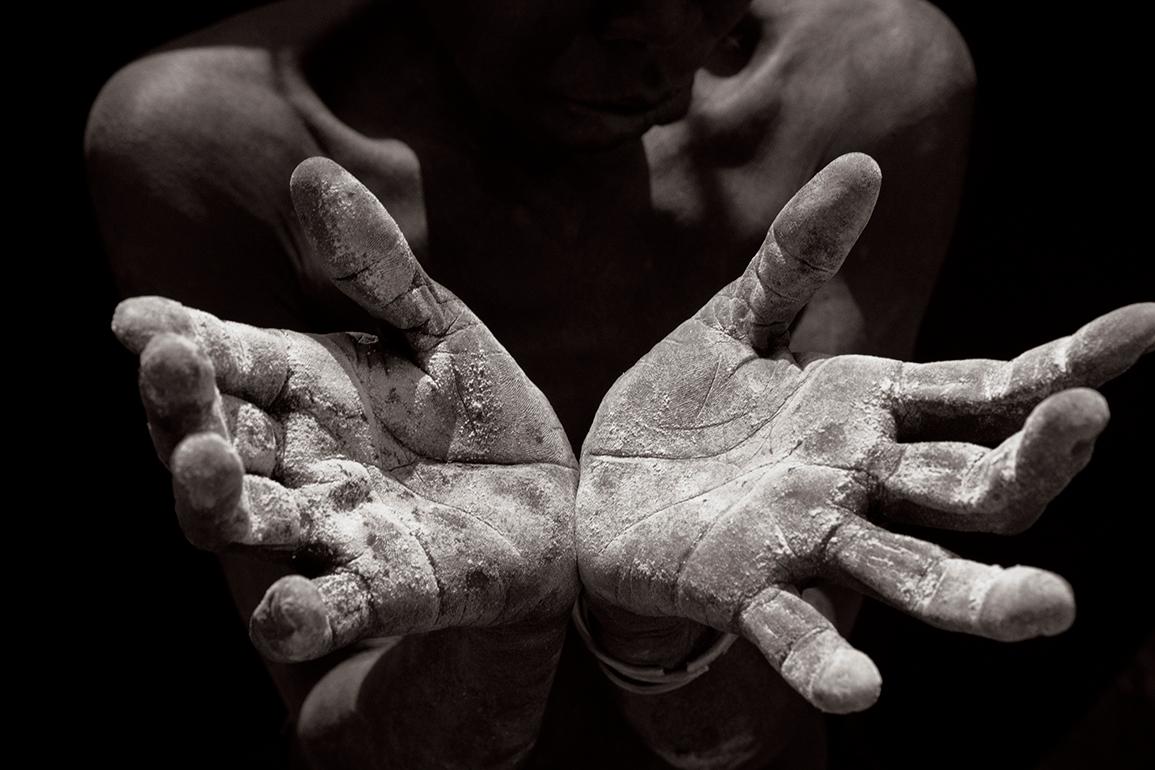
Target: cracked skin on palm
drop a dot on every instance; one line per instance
(725, 472)
(429, 486)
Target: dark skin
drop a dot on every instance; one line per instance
(728, 472)
(420, 477)
(579, 227)
(563, 212)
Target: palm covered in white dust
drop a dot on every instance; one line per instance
(725, 473)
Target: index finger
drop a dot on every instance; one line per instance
(803, 249)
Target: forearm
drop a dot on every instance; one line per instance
(460, 698)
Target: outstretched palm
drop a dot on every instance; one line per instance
(724, 473)
(421, 475)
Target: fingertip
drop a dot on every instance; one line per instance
(175, 375)
(1143, 314)
(848, 682)
(208, 479)
(1069, 418)
(291, 623)
(858, 169)
(345, 221)
(137, 320)
(823, 220)
(322, 192)
(1109, 345)
(314, 170)
(311, 182)
(1145, 317)
(361, 247)
(1139, 316)
(1025, 602)
(1056, 442)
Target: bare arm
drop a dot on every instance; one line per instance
(215, 237)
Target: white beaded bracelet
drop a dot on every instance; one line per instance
(647, 680)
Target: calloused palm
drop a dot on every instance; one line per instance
(421, 473)
(724, 473)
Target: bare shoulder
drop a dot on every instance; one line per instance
(212, 106)
(193, 115)
(189, 152)
(896, 62)
(861, 67)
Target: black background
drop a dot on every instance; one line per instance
(1052, 232)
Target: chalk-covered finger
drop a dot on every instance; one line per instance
(256, 435)
(943, 590)
(300, 619)
(368, 258)
(803, 249)
(179, 393)
(968, 487)
(809, 653)
(219, 506)
(390, 587)
(247, 361)
(984, 400)
(207, 480)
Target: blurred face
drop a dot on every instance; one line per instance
(581, 73)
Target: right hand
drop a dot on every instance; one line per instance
(420, 476)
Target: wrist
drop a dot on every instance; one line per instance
(647, 655)
(641, 640)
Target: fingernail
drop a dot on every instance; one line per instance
(291, 624)
(848, 682)
(138, 319)
(1025, 602)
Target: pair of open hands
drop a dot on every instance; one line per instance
(431, 486)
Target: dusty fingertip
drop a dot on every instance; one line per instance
(175, 374)
(1136, 320)
(1145, 323)
(1073, 416)
(1110, 344)
(857, 168)
(824, 219)
(347, 225)
(137, 320)
(848, 682)
(208, 479)
(1025, 602)
(313, 176)
(291, 623)
(315, 187)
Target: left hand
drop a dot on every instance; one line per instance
(725, 473)
(416, 473)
